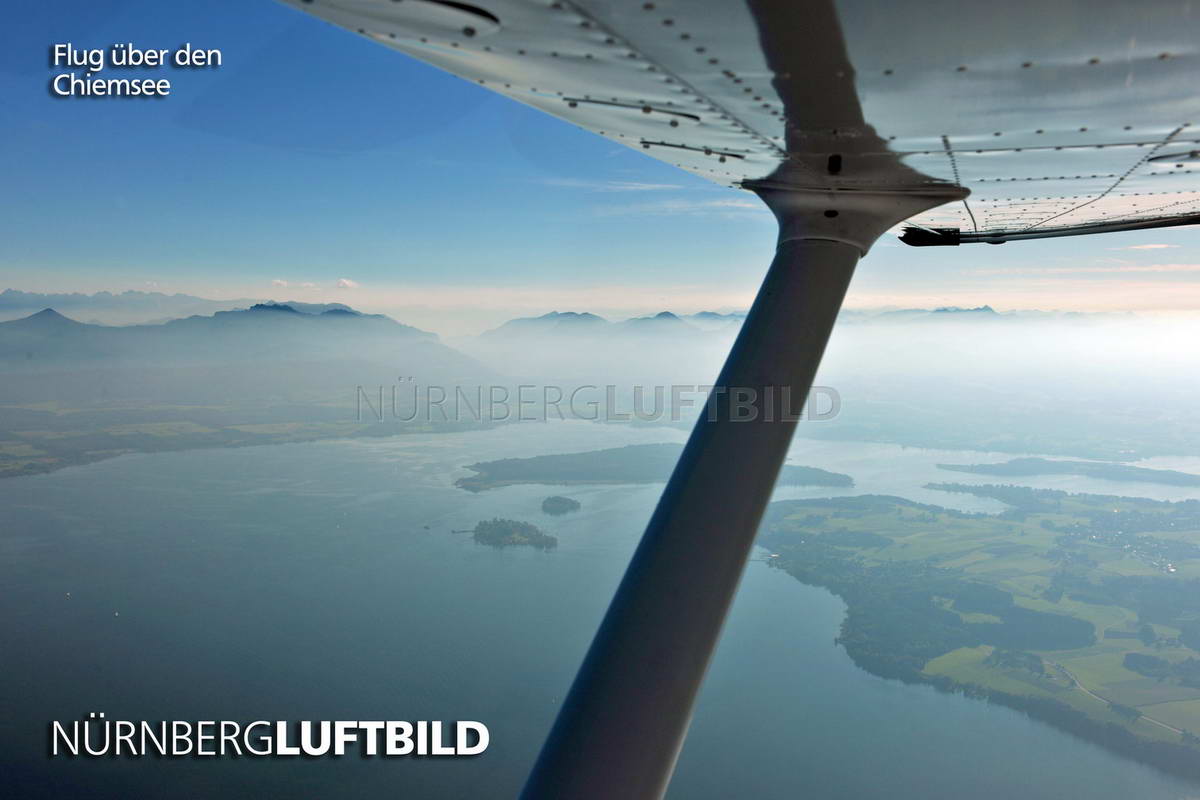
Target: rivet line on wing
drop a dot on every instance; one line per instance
(715, 106)
(1140, 162)
(1036, 148)
(1195, 198)
(958, 180)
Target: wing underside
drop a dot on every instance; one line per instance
(1053, 115)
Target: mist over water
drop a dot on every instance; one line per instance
(1101, 386)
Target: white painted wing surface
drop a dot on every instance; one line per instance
(1053, 114)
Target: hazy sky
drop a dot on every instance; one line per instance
(313, 157)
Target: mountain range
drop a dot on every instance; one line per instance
(115, 308)
(73, 392)
(575, 323)
(263, 331)
(283, 368)
(141, 307)
(268, 355)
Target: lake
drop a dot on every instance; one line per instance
(326, 581)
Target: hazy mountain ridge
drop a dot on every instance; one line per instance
(135, 307)
(974, 378)
(264, 330)
(119, 308)
(554, 321)
(585, 322)
(147, 307)
(983, 314)
(269, 355)
(74, 392)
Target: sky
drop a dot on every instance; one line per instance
(314, 165)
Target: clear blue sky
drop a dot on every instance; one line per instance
(312, 156)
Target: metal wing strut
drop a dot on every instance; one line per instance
(623, 723)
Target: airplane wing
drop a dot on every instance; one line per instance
(962, 121)
(1052, 115)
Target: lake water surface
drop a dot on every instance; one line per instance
(325, 581)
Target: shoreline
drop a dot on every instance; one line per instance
(1176, 760)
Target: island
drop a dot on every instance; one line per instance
(1080, 610)
(501, 533)
(1020, 467)
(635, 463)
(557, 505)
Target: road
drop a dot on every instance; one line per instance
(1106, 701)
